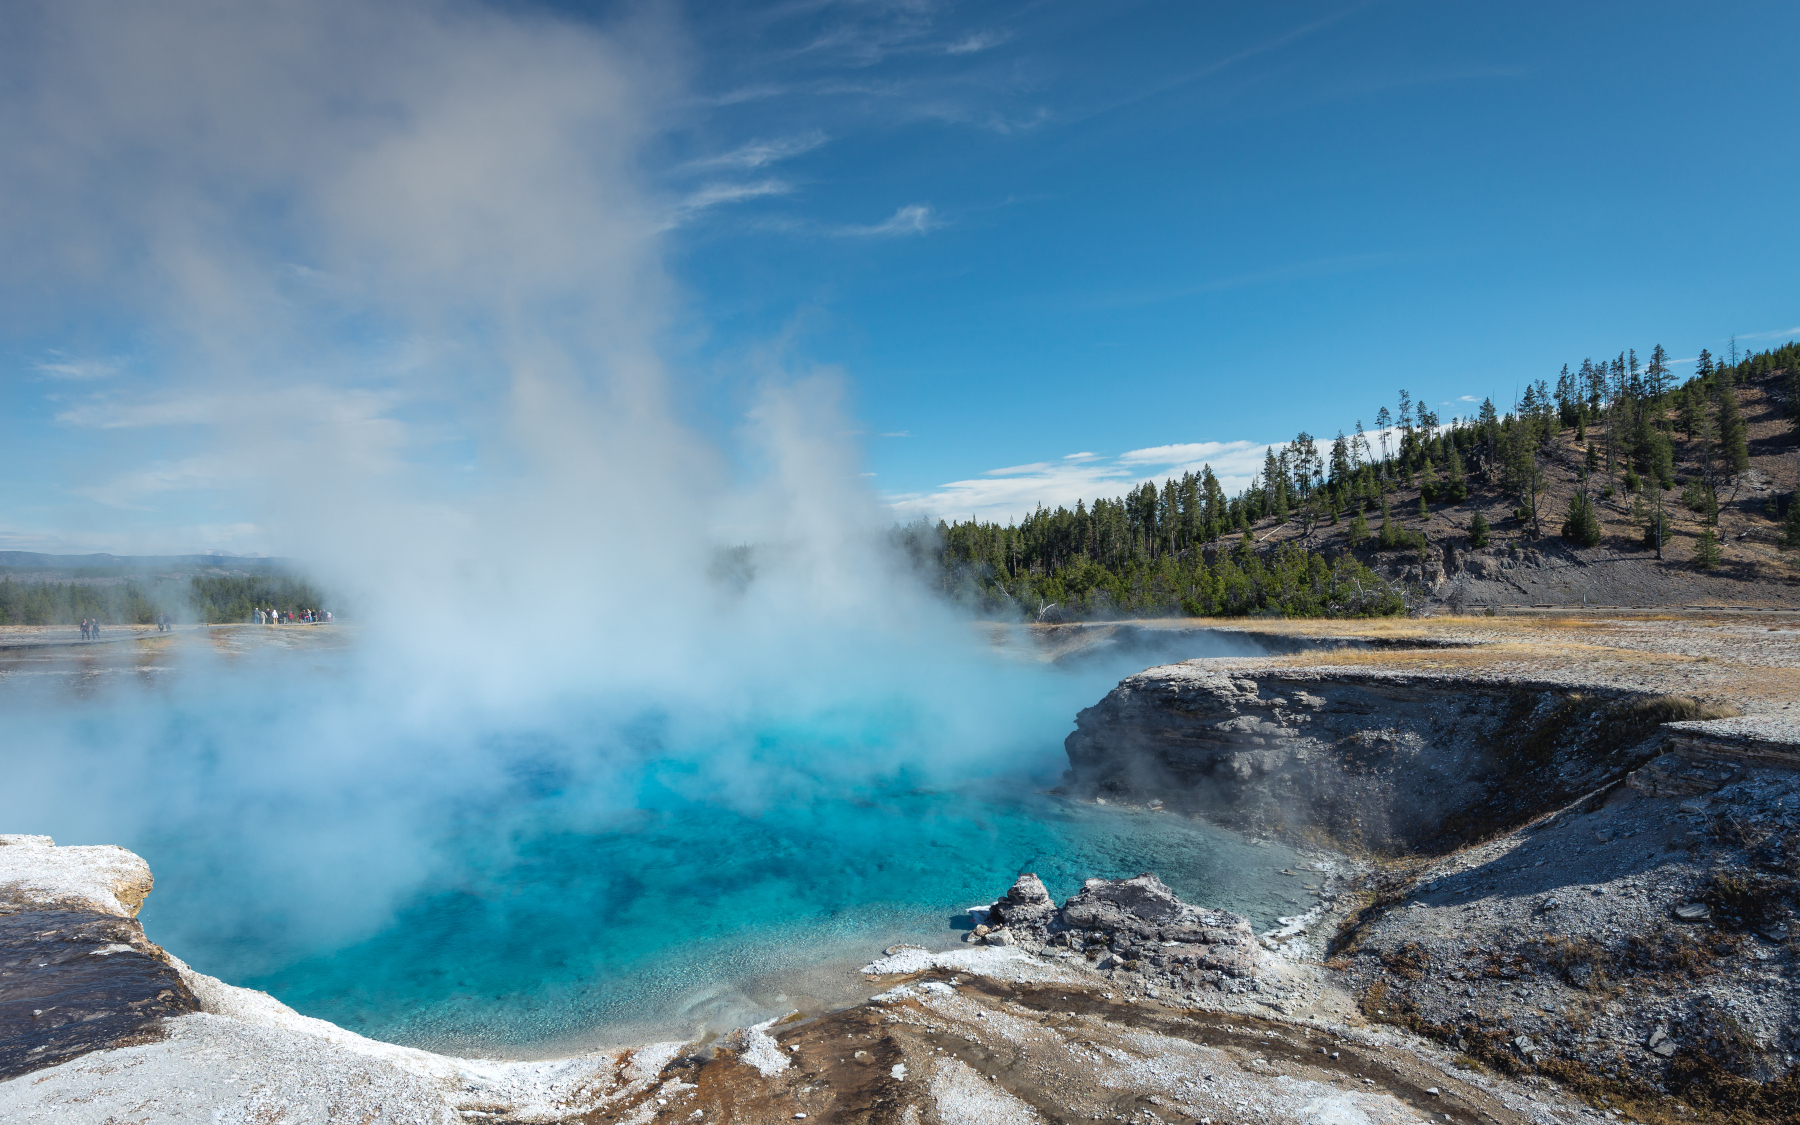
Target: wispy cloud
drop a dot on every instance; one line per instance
(713, 195)
(914, 218)
(758, 154)
(1189, 452)
(1467, 398)
(112, 414)
(1274, 43)
(76, 369)
(977, 41)
(130, 490)
(1794, 331)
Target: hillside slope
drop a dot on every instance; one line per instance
(1520, 567)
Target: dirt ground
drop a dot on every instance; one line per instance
(1749, 660)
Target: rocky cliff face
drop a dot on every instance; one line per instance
(1372, 760)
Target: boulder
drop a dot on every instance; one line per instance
(1143, 921)
(1026, 910)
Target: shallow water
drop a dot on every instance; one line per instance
(571, 880)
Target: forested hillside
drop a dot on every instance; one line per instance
(139, 601)
(1615, 457)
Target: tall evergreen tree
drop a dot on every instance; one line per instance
(1581, 527)
(1734, 447)
(1457, 484)
(1706, 549)
(1790, 527)
(1657, 374)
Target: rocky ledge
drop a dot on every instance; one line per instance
(77, 973)
(1374, 761)
(1582, 884)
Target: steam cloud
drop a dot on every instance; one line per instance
(396, 270)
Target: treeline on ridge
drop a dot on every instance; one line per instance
(1169, 549)
(215, 600)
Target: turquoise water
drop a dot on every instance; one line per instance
(646, 926)
(580, 871)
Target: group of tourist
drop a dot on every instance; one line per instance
(288, 617)
(90, 628)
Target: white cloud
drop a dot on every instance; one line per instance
(77, 369)
(1007, 497)
(1794, 331)
(712, 195)
(977, 41)
(756, 154)
(1467, 398)
(1194, 451)
(111, 414)
(915, 218)
(1014, 491)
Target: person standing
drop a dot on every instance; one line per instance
(84, 628)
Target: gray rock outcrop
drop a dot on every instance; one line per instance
(1138, 925)
(1382, 761)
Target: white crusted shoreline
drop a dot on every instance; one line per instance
(246, 1056)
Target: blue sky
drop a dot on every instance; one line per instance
(1047, 249)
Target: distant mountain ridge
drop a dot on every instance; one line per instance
(34, 560)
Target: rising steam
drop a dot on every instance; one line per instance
(391, 277)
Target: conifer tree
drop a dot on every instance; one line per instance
(1581, 527)
(1458, 486)
(1478, 531)
(1358, 531)
(1790, 527)
(1733, 447)
(1657, 374)
(1706, 549)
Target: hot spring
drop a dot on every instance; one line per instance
(575, 876)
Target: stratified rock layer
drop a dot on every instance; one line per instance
(1380, 761)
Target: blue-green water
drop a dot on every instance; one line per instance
(581, 868)
(650, 923)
